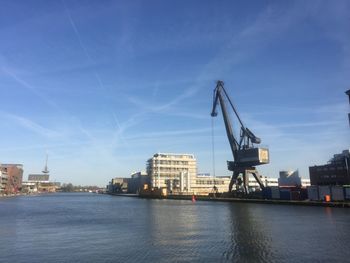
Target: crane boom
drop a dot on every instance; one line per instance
(218, 96)
(245, 154)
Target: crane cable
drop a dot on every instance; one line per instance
(213, 149)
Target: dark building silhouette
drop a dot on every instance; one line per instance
(336, 172)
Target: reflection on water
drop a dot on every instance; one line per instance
(248, 238)
(100, 228)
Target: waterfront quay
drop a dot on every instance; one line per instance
(242, 200)
(87, 227)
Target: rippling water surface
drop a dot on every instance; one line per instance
(102, 228)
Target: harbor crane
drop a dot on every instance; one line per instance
(246, 155)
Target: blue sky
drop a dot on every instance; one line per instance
(103, 85)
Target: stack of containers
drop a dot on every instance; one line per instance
(285, 194)
(323, 191)
(303, 194)
(295, 195)
(267, 193)
(275, 192)
(337, 193)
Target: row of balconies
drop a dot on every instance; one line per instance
(174, 156)
(205, 182)
(172, 164)
(172, 167)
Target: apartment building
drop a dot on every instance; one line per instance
(3, 181)
(169, 169)
(11, 178)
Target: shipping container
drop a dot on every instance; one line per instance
(347, 192)
(285, 194)
(303, 194)
(312, 192)
(323, 190)
(275, 192)
(267, 193)
(337, 193)
(295, 195)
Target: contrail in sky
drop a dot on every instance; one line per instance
(31, 88)
(97, 76)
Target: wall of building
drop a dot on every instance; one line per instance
(14, 174)
(137, 181)
(118, 185)
(3, 181)
(336, 172)
(210, 184)
(163, 167)
(39, 177)
(289, 178)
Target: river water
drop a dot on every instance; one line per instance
(102, 228)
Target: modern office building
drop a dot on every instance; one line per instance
(167, 169)
(336, 172)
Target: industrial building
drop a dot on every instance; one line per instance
(289, 178)
(137, 181)
(39, 183)
(167, 169)
(203, 184)
(267, 181)
(42, 178)
(118, 185)
(336, 172)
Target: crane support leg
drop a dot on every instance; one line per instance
(233, 181)
(257, 178)
(246, 182)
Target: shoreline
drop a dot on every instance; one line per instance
(345, 204)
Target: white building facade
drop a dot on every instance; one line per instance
(171, 169)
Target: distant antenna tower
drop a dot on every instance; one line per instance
(46, 171)
(348, 93)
